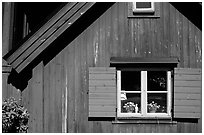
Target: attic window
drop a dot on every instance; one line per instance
(143, 7)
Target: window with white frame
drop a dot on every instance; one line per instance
(143, 7)
(143, 93)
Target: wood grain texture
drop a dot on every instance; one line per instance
(187, 101)
(188, 83)
(41, 31)
(113, 35)
(48, 40)
(7, 23)
(102, 89)
(37, 102)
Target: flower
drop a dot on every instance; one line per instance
(152, 106)
(14, 116)
(129, 106)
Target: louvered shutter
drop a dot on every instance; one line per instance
(187, 93)
(102, 92)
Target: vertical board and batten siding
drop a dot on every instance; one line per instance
(32, 98)
(36, 111)
(187, 93)
(112, 35)
(102, 92)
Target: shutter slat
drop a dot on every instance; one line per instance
(187, 77)
(187, 96)
(102, 92)
(104, 83)
(187, 93)
(101, 108)
(187, 83)
(187, 115)
(188, 90)
(189, 109)
(101, 76)
(183, 102)
(102, 95)
(93, 101)
(101, 89)
(188, 71)
(101, 114)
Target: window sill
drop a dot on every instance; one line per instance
(143, 16)
(149, 116)
(144, 118)
(144, 121)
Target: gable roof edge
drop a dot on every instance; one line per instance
(40, 40)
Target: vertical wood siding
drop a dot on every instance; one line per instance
(36, 111)
(112, 35)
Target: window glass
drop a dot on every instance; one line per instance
(131, 80)
(130, 103)
(157, 103)
(143, 4)
(156, 81)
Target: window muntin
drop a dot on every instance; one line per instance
(140, 99)
(143, 7)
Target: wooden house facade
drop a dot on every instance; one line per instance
(67, 71)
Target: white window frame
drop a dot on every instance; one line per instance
(144, 98)
(143, 10)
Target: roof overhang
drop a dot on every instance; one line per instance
(51, 31)
(47, 34)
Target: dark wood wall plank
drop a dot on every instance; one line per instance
(185, 43)
(71, 88)
(58, 94)
(114, 26)
(7, 23)
(46, 100)
(112, 35)
(36, 112)
(192, 45)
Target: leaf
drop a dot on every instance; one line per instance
(14, 115)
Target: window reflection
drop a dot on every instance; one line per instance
(156, 81)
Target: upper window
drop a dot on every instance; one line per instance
(143, 93)
(143, 7)
(143, 10)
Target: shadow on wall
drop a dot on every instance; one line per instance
(20, 80)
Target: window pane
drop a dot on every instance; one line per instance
(157, 81)
(143, 4)
(157, 103)
(130, 81)
(130, 104)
